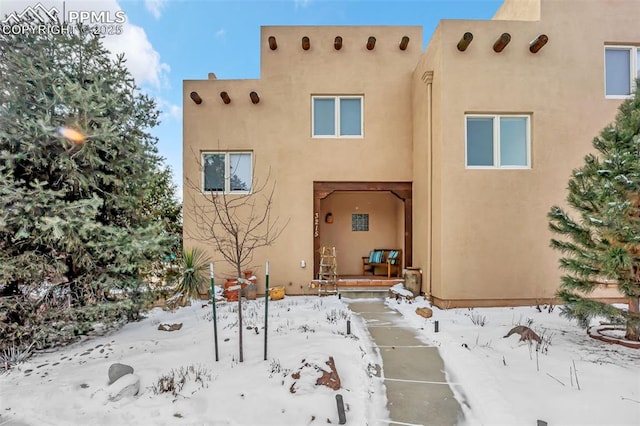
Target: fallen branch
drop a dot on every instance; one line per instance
(556, 379)
(575, 373)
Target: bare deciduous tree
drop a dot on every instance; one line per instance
(235, 224)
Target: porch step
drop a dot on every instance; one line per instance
(362, 292)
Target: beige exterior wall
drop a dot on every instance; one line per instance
(519, 10)
(278, 128)
(480, 236)
(493, 245)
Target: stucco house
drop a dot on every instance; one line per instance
(453, 154)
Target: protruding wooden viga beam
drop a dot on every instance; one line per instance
(404, 43)
(225, 98)
(501, 42)
(254, 97)
(538, 43)
(273, 45)
(371, 43)
(465, 41)
(195, 98)
(306, 44)
(337, 43)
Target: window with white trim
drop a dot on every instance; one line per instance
(621, 69)
(229, 172)
(498, 141)
(336, 116)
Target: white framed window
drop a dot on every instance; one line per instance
(500, 141)
(337, 116)
(621, 69)
(228, 172)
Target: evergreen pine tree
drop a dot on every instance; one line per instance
(77, 218)
(602, 242)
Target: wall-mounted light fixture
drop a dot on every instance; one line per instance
(254, 97)
(306, 44)
(337, 43)
(538, 43)
(371, 43)
(195, 98)
(225, 98)
(404, 43)
(501, 42)
(273, 45)
(465, 41)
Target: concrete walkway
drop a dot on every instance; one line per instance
(413, 372)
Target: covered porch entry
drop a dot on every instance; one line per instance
(357, 217)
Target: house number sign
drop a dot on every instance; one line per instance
(316, 221)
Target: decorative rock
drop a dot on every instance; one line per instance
(118, 370)
(170, 327)
(424, 312)
(125, 386)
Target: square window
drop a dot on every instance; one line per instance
(497, 141)
(337, 116)
(227, 172)
(360, 222)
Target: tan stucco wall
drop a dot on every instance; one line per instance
(519, 10)
(495, 242)
(480, 236)
(278, 129)
(385, 214)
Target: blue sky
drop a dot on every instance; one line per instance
(168, 41)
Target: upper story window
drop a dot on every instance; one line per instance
(336, 116)
(228, 172)
(621, 68)
(498, 141)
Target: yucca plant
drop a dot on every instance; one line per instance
(193, 273)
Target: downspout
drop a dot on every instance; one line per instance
(427, 77)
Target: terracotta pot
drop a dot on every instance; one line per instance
(230, 294)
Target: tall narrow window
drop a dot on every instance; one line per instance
(621, 68)
(337, 116)
(498, 141)
(227, 172)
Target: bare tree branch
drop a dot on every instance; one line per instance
(235, 224)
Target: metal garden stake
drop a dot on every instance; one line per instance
(266, 309)
(213, 302)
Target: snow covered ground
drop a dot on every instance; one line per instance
(498, 380)
(574, 380)
(70, 386)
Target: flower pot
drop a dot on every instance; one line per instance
(230, 295)
(276, 293)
